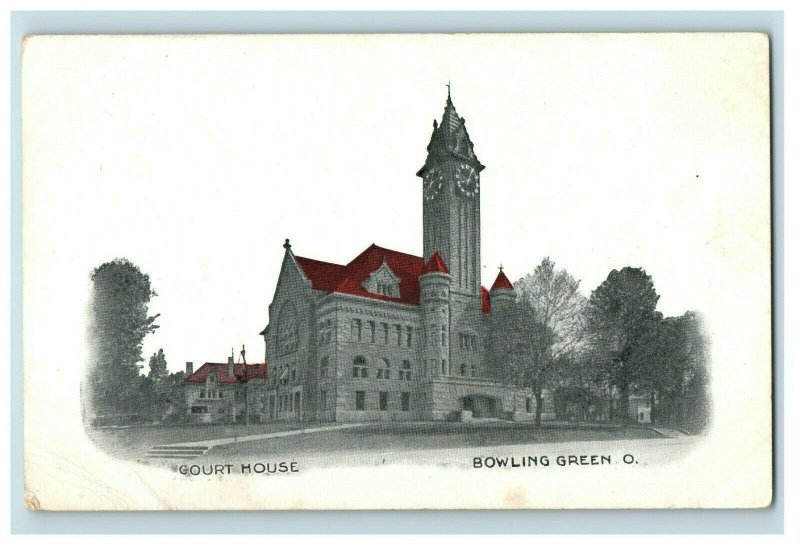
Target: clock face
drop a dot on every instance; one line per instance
(467, 180)
(433, 182)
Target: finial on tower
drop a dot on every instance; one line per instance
(287, 245)
(448, 89)
(500, 267)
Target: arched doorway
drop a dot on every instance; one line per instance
(482, 406)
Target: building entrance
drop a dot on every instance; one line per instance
(482, 406)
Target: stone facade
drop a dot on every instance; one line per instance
(391, 336)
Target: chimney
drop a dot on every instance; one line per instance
(189, 368)
(244, 361)
(230, 366)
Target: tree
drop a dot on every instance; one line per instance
(158, 366)
(556, 300)
(518, 341)
(119, 322)
(558, 308)
(674, 371)
(621, 313)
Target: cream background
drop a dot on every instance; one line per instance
(196, 156)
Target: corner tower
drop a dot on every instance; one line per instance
(451, 201)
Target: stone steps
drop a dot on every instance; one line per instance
(176, 452)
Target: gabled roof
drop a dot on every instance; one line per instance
(349, 279)
(502, 282)
(241, 373)
(450, 139)
(436, 265)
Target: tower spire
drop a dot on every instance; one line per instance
(450, 140)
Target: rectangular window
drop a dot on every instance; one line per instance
(405, 401)
(359, 367)
(405, 371)
(372, 332)
(323, 399)
(444, 336)
(398, 331)
(361, 396)
(323, 367)
(202, 394)
(474, 371)
(355, 330)
(199, 410)
(297, 402)
(383, 400)
(463, 370)
(385, 333)
(408, 336)
(528, 405)
(444, 367)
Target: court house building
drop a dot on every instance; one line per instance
(393, 336)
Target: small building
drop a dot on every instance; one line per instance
(226, 392)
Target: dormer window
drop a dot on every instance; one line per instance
(383, 281)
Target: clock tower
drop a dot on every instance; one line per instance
(451, 202)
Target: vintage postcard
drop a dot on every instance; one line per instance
(397, 271)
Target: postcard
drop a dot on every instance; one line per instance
(480, 271)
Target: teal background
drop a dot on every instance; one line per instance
(768, 520)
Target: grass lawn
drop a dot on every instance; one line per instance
(396, 436)
(387, 437)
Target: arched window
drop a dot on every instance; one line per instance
(359, 367)
(287, 329)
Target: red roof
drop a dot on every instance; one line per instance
(349, 279)
(502, 282)
(241, 373)
(436, 265)
(486, 304)
(323, 275)
(330, 278)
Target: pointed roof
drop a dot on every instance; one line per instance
(450, 139)
(502, 282)
(436, 265)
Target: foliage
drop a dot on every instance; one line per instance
(621, 315)
(674, 371)
(158, 366)
(556, 300)
(119, 322)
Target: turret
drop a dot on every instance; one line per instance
(502, 294)
(434, 301)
